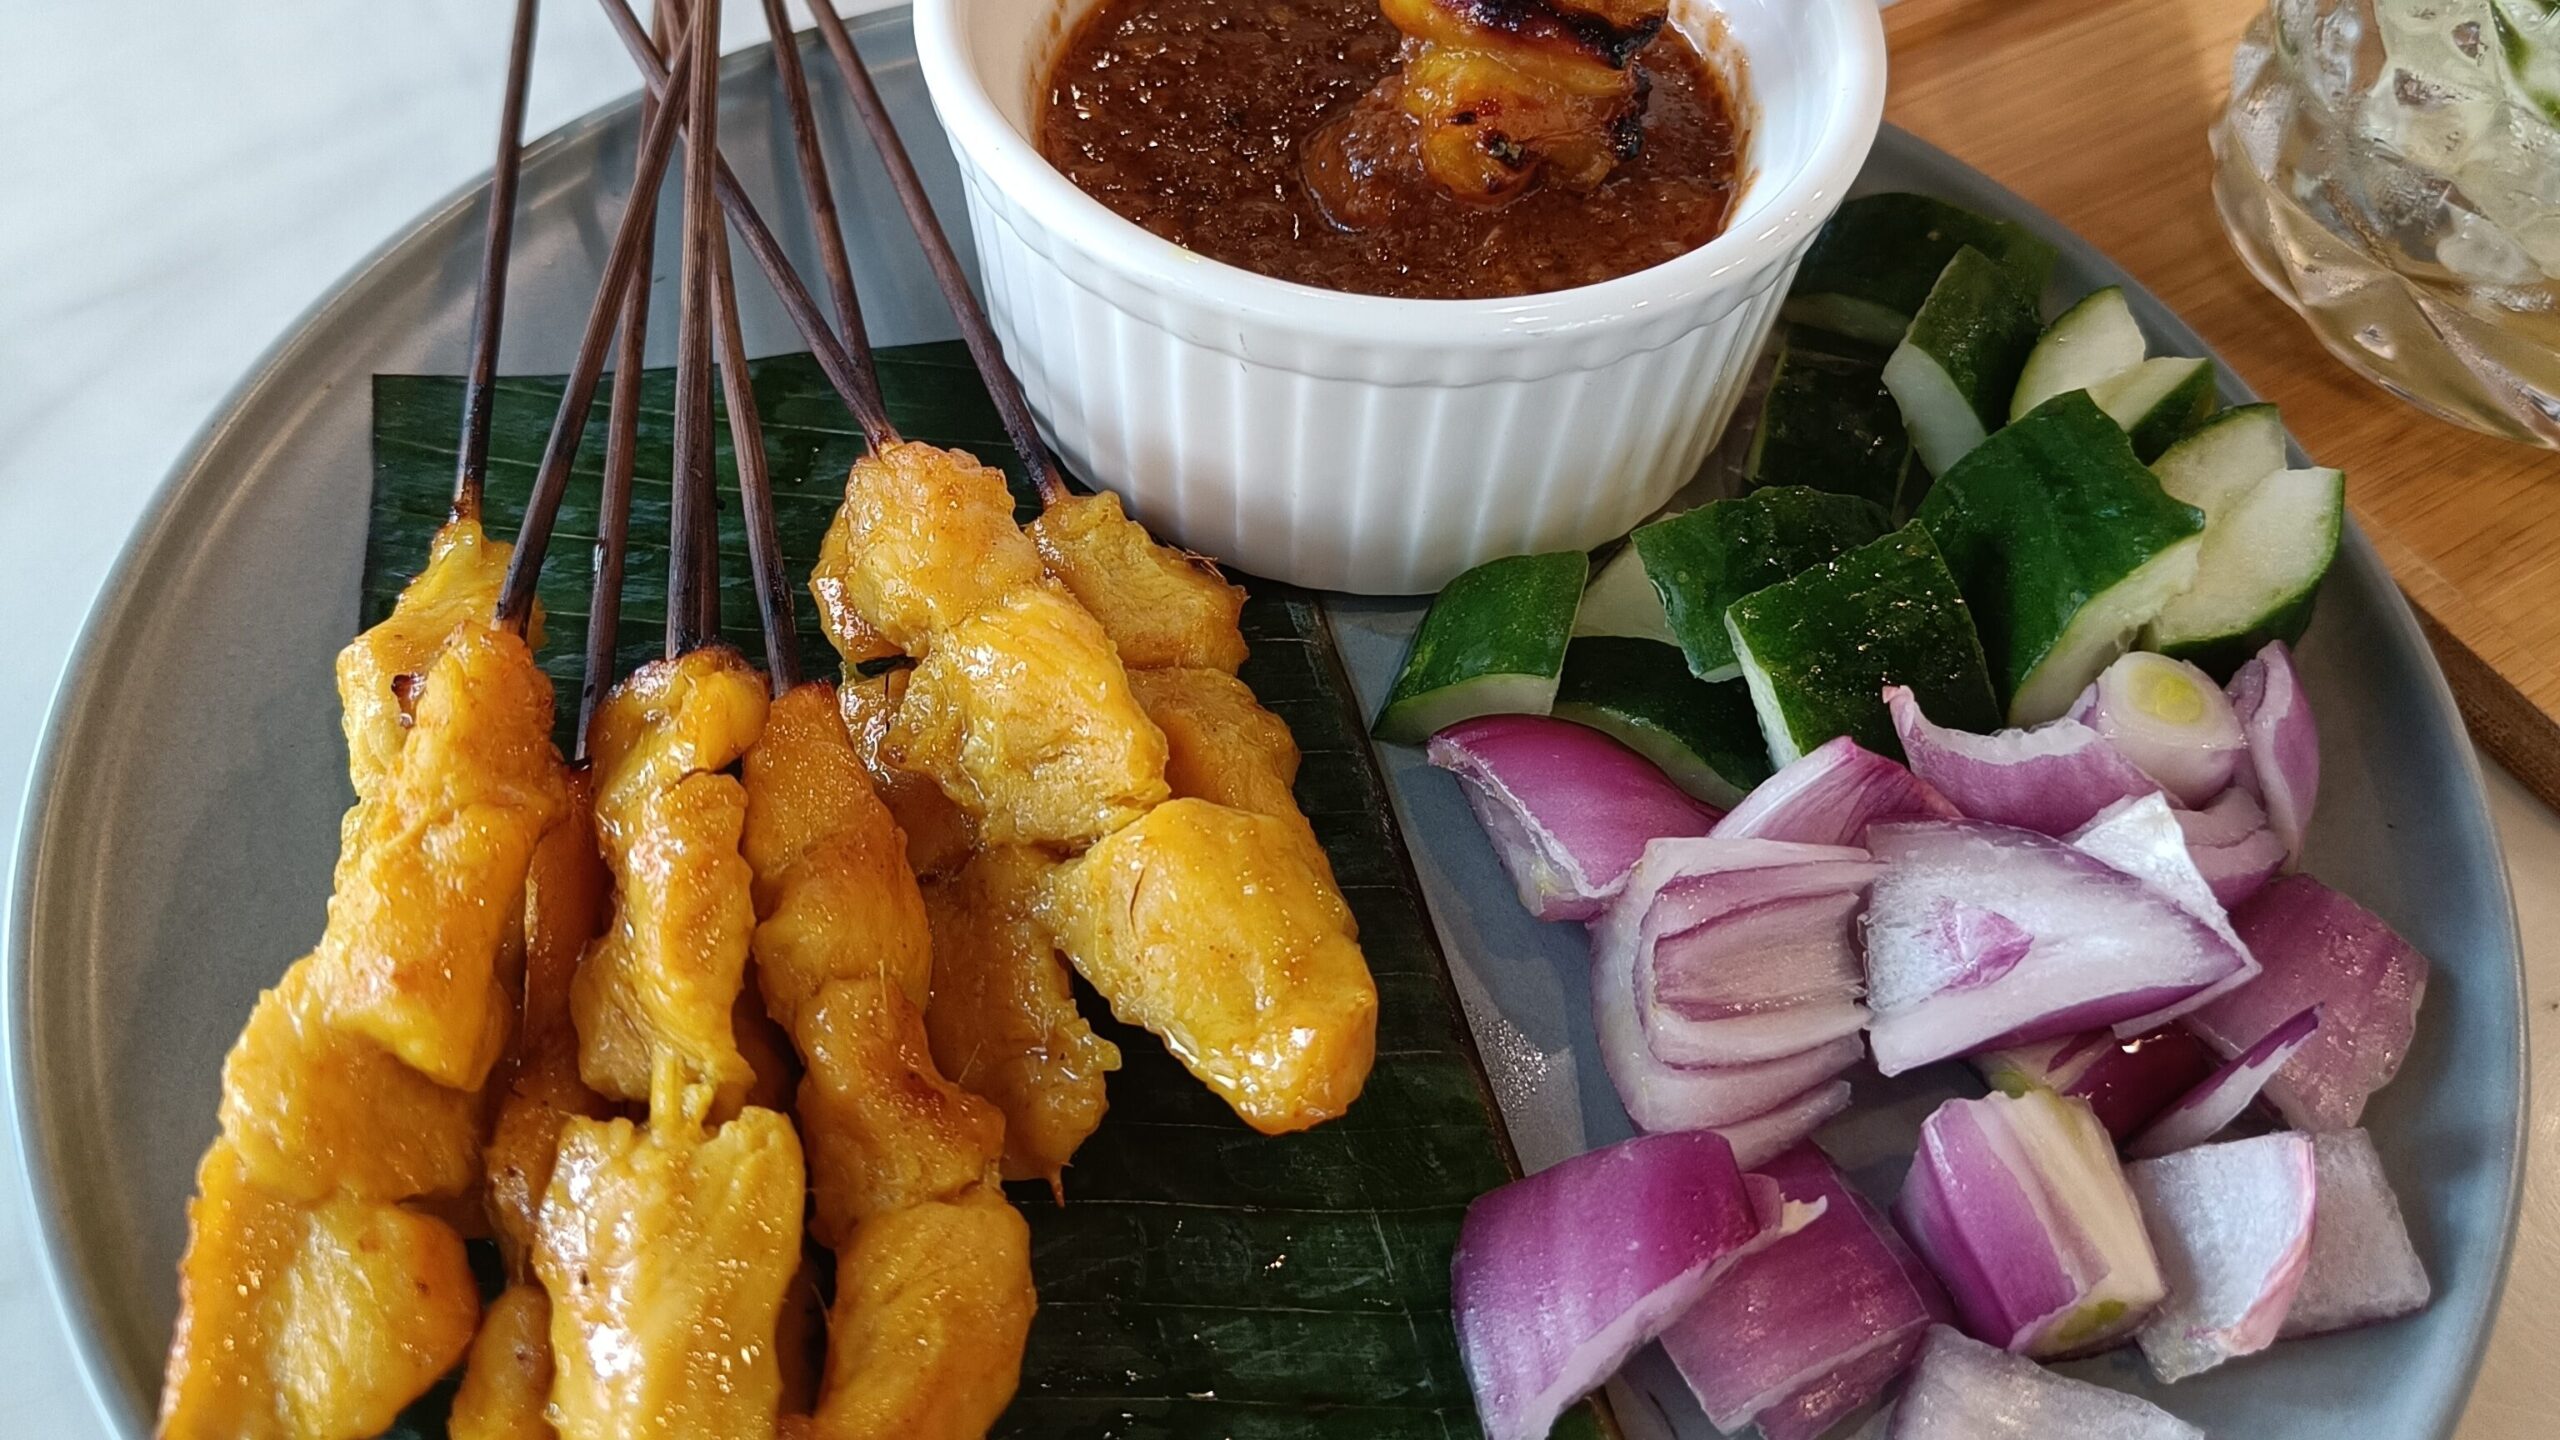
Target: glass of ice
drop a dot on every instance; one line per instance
(2391, 169)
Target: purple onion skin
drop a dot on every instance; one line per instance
(2218, 1099)
(1560, 1276)
(1568, 809)
(2126, 1082)
(2317, 947)
(2283, 768)
(2050, 779)
(1829, 796)
(1971, 1218)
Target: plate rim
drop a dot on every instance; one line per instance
(190, 483)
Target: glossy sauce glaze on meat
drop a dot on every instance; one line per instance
(1198, 119)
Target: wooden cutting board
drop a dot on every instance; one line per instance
(2097, 110)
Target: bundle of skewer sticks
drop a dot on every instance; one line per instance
(564, 1002)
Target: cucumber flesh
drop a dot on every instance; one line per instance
(1704, 560)
(1829, 424)
(2064, 546)
(1492, 643)
(2158, 402)
(2223, 459)
(1869, 271)
(1622, 601)
(1817, 650)
(2092, 342)
(2263, 558)
(1957, 367)
(1705, 737)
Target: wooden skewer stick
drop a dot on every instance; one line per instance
(755, 483)
(621, 455)
(568, 426)
(813, 181)
(688, 535)
(489, 305)
(854, 384)
(980, 336)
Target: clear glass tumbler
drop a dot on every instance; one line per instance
(2391, 169)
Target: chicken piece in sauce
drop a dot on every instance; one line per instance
(506, 1384)
(924, 541)
(933, 1306)
(1160, 606)
(939, 833)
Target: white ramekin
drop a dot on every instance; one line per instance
(1353, 442)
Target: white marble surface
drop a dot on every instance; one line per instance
(178, 181)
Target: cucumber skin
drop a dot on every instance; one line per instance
(1705, 736)
(1981, 316)
(1887, 250)
(2178, 415)
(1829, 424)
(1511, 616)
(2221, 656)
(2050, 512)
(1705, 559)
(1828, 641)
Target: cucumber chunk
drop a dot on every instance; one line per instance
(2264, 556)
(2158, 402)
(2093, 341)
(1622, 601)
(1705, 737)
(2223, 459)
(1817, 650)
(1829, 424)
(2065, 547)
(1956, 368)
(1492, 643)
(1704, 560)
(1873, 265)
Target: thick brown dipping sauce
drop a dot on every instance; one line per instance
(1190, 117)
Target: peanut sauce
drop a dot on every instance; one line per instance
(1192, 118)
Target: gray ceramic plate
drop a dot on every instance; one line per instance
(179, 828)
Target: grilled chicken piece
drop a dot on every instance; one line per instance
(308, 1321)
(925, 540)
(1208, 926)
(652, 1001)
(1003, 1019)
(832, 888)
(312, 1305)
(410, 952)
(885, 1130)
(666, 1253)
(1023, 715)
(939, 833)
(1160, 606)
(933, 1304)
(507, 1381)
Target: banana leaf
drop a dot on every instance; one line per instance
(1200, 1280)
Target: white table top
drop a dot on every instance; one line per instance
(181, 180)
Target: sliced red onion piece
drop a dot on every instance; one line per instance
(1963, 1390)
(1759, 1138)
(2018, 1205)
(1694, 888)
(1811, 1413)
(2106, 947)
(2233, 847)
(2319, 948)
(2215, 1102)
(1567, 808)
(2050, 779)
(1803, 1328)
(1560, 1276)
(2232, 1225)
(2363, 1268)
(2142, 838)
(1828, 796)
(2283, 772)
(2169, 719)
(2126, 1082)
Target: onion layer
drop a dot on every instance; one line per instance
(1560, 1276)
(2143, 839)
(2126, 1082)
(1787, 1329)
(1829, 796)
(2320, 948)
(2218, 1099)
(2363, 1268)
(2283, 772)
(2050, 779)
(2169, 719)
(2232, 1224)
(2018, 1205)
(1568, 808)
(1963, 1390)
(2233, 847)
